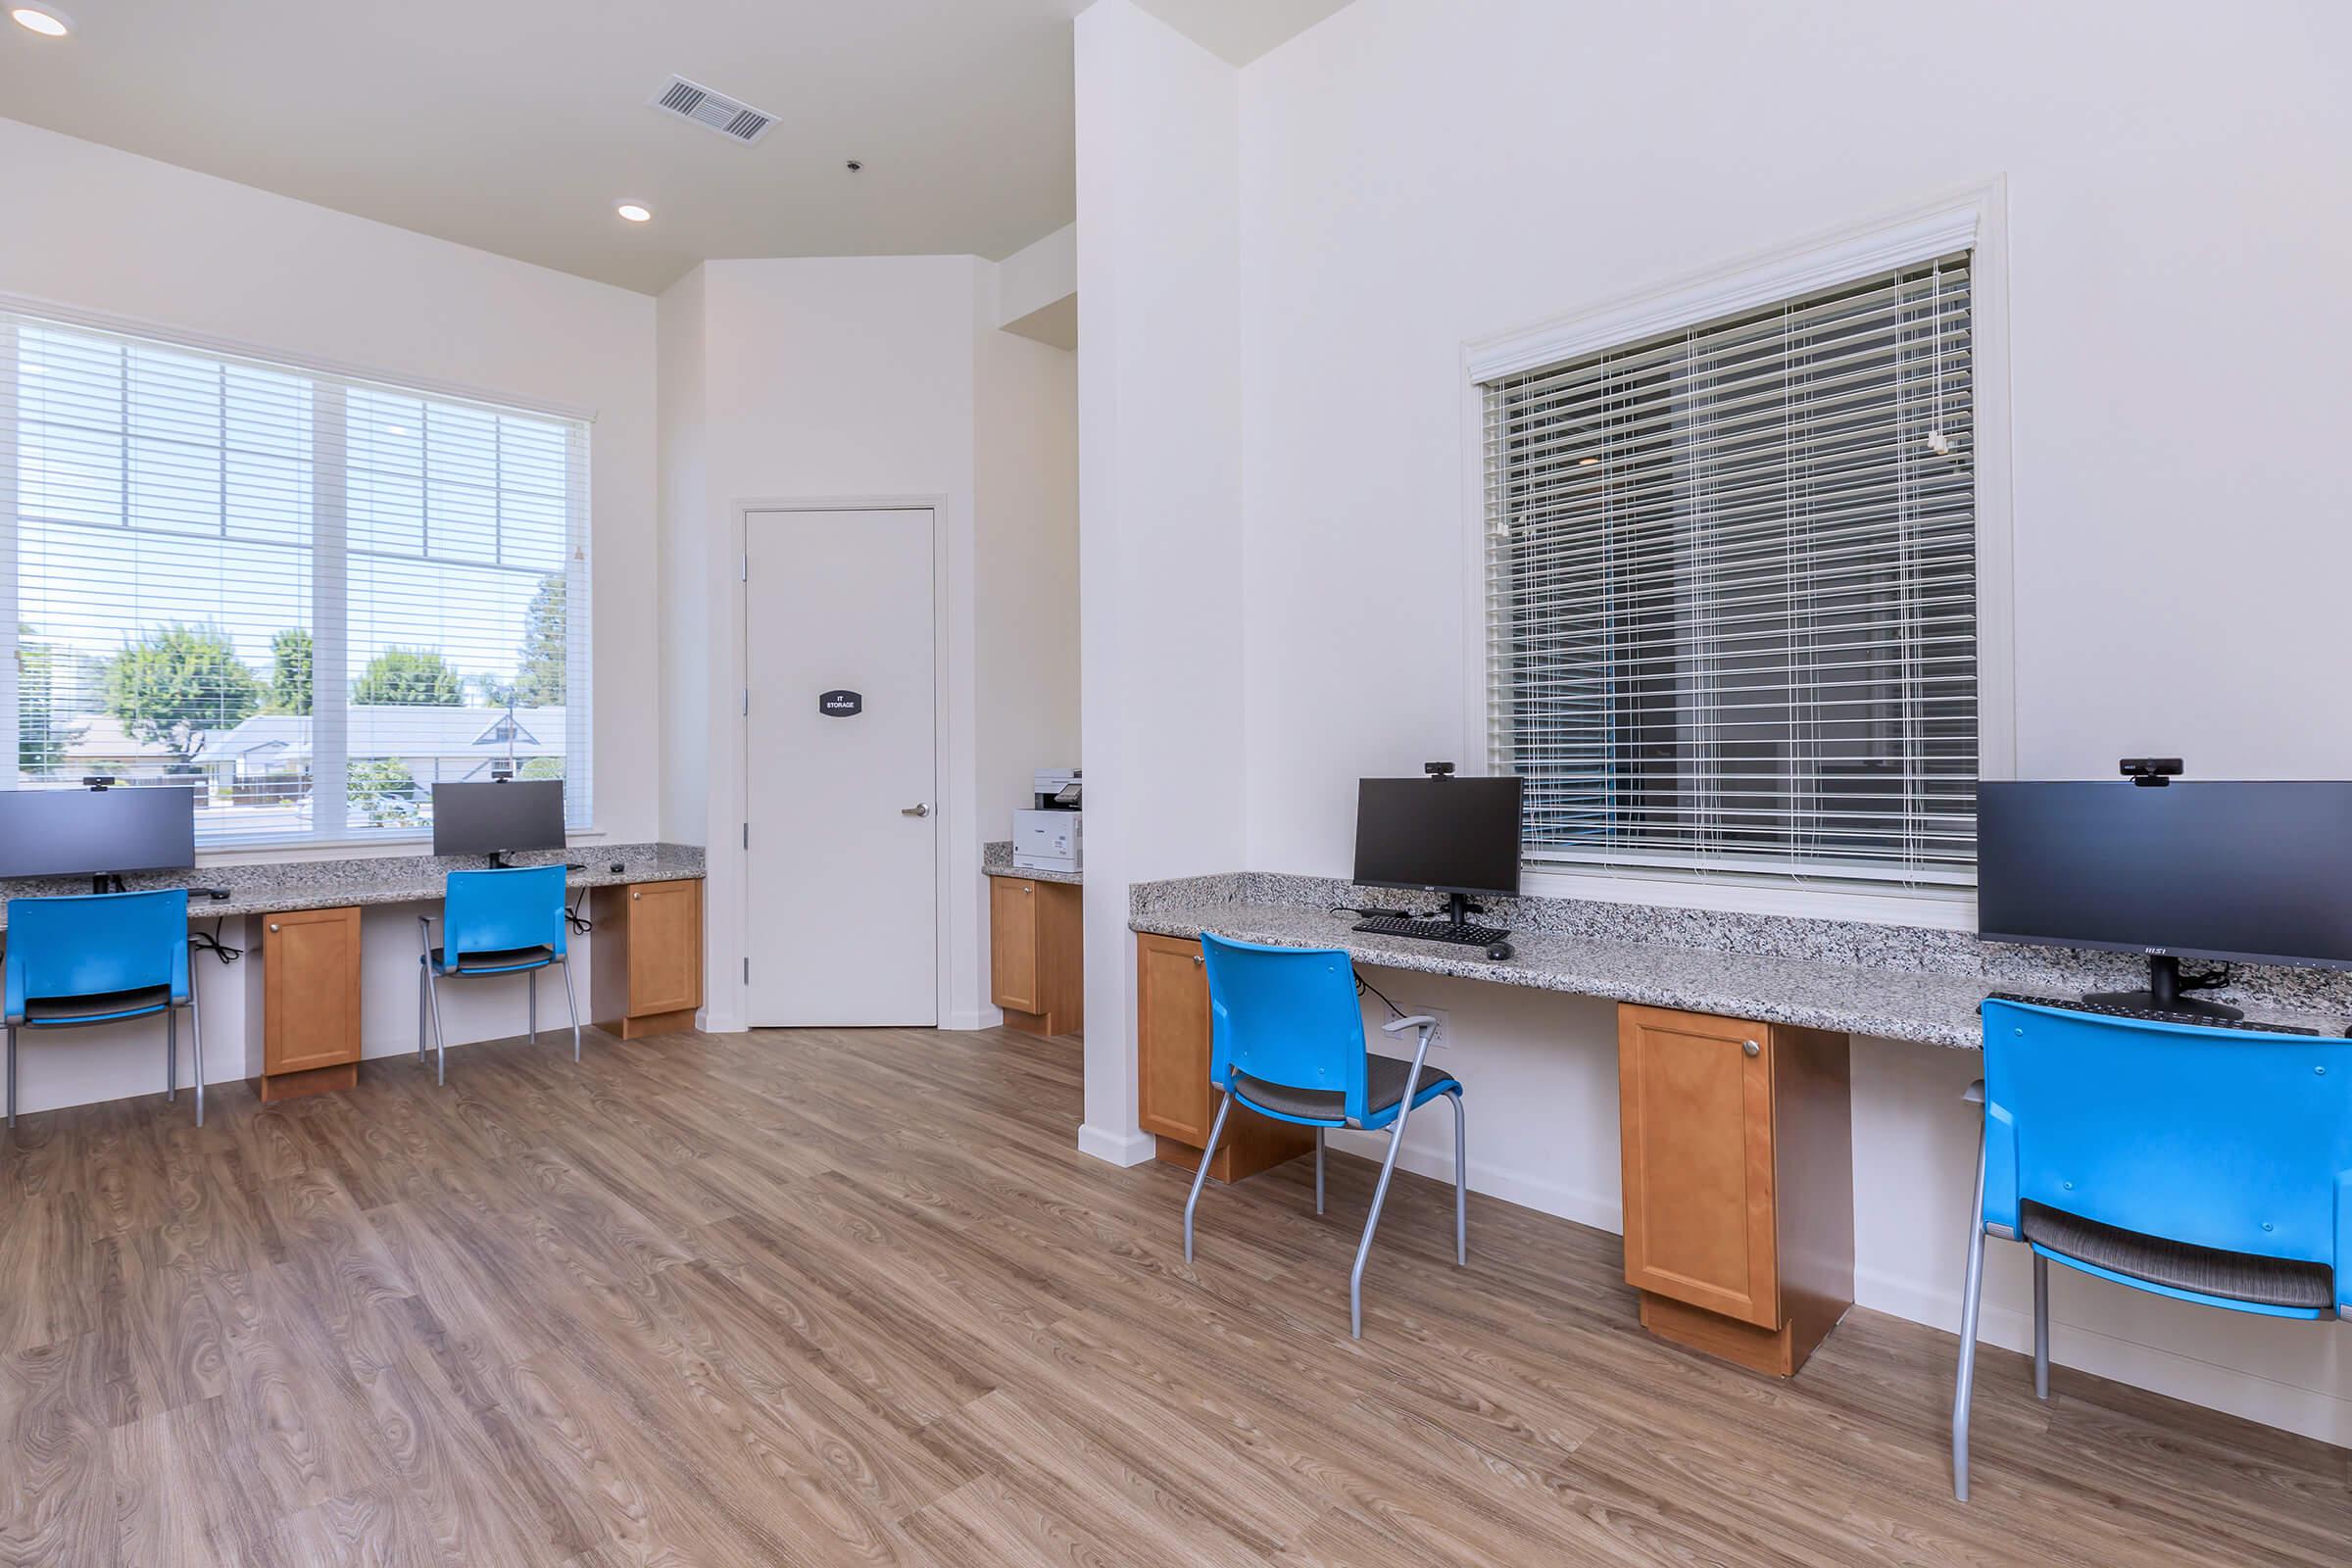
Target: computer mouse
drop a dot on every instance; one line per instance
(1499, 949)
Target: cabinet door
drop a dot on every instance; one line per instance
(1171, 1002)
(309, 990)
(1694, 1102)
(1012, 944)
(666, 947)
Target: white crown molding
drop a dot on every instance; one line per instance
(1748, 283)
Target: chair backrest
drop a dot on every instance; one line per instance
(1286, 1016)
(491, 911)
(2221, 1138)
(90, 942)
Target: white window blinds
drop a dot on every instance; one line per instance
(1731, 590)
(308, 596)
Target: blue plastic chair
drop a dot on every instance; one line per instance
(101, 958)
(2210, 1165)
(505, 921)
(1286, 1041)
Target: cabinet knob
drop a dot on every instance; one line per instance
(1201, 958)
(634, 894)
(1026, 889)
(273, 926)
(1750, 1047)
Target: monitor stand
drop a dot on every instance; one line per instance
(1460, 909)
(499, 861)
(2163, 993)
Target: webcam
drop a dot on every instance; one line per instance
(1438, 770)
(2150, 772)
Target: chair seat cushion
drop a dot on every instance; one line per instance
(2204, 1270)
(98, 1004)
(493, 962)
(1384, 1086)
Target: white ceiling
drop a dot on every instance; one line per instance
(516, 124)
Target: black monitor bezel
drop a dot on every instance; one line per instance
(1518, 860)
(2088, 945)
(118, 870)
(562, 833)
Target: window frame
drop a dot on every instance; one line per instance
(345, 841)
(1973, 219)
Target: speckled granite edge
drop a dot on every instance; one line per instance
(275, 887)
(1898, 982)
(996, 859)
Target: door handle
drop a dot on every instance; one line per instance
(917, 809)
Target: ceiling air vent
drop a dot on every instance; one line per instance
(712, 110)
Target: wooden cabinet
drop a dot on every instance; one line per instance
(1738, 1182)
(310, 1001)
(646, 962)
(1037, 954)
(1173, 1097)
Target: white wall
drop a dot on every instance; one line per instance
(1025, 476)
(685, 561)
(1159, 502)
(838, 379)
(1414, 176)
(104, 230)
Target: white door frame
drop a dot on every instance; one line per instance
(954, 777)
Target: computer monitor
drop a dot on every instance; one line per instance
(1456, 836)
(98, 833)
(2244, 872)
(498, 818)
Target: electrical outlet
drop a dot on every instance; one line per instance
(1440, 1037)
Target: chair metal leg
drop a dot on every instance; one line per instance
(2042, 1327)
(1462, 1189)
(1319, 1170)
(1380, 1194)
(1216, 1130)
(196, 1048)
(433, 991)
(531, 978)
(572, 1004)
(171, 1054)
(11, 1075)
(1972, 1293)
(424, 977)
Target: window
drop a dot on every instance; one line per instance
(1732, 613)
(309, 596)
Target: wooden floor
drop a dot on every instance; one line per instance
(852, 1296)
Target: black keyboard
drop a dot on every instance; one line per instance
(1468, 936)
(2116, 1009)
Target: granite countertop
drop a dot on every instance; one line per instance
(1806, 990)
(275, 887)
(996, 859)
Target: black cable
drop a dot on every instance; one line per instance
(2210, 981)
(1363, 985)
(580, 924)
(210, 942)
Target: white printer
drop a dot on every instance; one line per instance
(1049, 838)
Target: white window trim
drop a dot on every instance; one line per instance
(342, 845)
(1974, 219)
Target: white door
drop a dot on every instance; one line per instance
(840, 769)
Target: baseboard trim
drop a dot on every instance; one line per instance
(2308, 1411)
(1601, 1212)
(1117, 1149)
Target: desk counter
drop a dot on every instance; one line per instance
(282, 886)
(1895, 983)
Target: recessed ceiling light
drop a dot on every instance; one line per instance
(42, 20)
(634, 211)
